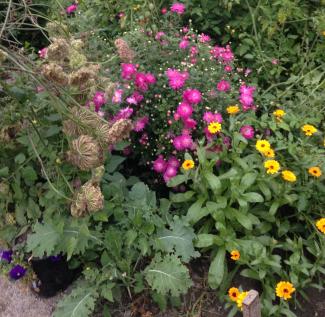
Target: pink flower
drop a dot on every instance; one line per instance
(223, 54)
(40, 89)
(247, 90)
(176, 79)
(141, 81)
(178, 8)
(99, 100)
(170, 172)
(192, 96)
(117, 97)
(275, 61)
(159, 35)
(247, 131)
(223, 85)
(144, 139)
(140, 124)
(183, 44)
(227, 142)
(184, 110)
(183, 142)
(42, 53)
(189, 123)
(194, 50)
(164, 11)
(204, 38)
(128, 71)
(228, 68)
(124, 113)
(185, 29)
(135, 98)
(71, 8)
(159, 165)
(209, 117)
(173, 161)
(151, 79)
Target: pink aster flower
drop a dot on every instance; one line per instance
(223, 85)
(247, 131)
(140, 124)
(185, 29)
(71, 8)
(247, 90)
(42, 53)
(173, 161)
(40, 89)
(178, 8)
(194, 51)
(151, 79)
(159, 35)
(189, 123)
(184, 110)
(141, 81)
(176, 79)
(227, 55)
(117, 97)
(164, 11)
(99, 99)
(183, 44)
(159, 165)
(135, 98)
(124, 113)
(128, 71)
(192, 96)
(204, 38)
(169, 173)
(144, 139)
(183, 142)
(209, 117)
(228, 68)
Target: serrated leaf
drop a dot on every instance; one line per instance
(168, 275)
(44, 240)
(179, 239)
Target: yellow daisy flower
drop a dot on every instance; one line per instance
(289, 176)
(279, 113)
(308, 129)
(235, 255)
(320, 224)
(262, 145)
(214, 127)
(272, 166)
(240, 299)
(188, 164)
(269, 153)
(315, 171)
(233, 294)
(284, 290)
(233, 109)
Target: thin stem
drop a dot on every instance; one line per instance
(6, 19)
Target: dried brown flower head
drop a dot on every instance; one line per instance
(125, 53)
(85, 153)
(58, 50)
(84, 75)
(120, 130)
(55, 73)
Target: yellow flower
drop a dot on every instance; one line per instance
(262, 145)
(235, 255)
(269, 153)
(289, 176)
(323, 33)
(320, 225)
(188, 164)
(233, 109)
(214, 127)
(279, 113)
(233, 294)
(272, 166)
(240, 299)
(315, 171)
(284, 290)
(309, 129)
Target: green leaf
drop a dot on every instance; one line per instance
(248, 180)
(113, 162)
(139, 192)
(179, 239)
(177, 180)
(229, 175)
(196, 211)
(44, 240)
(29, 175)
(53, 130)
(80, 303)
(168, 275)
(274, 207)
(253, 197)
(182, 197)
(205, 240)
(4, 172)
(217, 269)
(213, 181)
(243, 219)
(20, 158)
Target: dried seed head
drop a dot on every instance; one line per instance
(58, 50)
(120, 130)
(86, 153)
(10, 218)
(3, 56)
(77, 44)
(55, 73)
(76, 60)
(88, 199)
(4, 189)
(83, 75)
(125, 53)
(56, 28)
(70, 128)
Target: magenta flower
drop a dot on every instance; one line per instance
(227, 142)
(17, 272)
(173, 161)
(247, 90)
(246, 101)
(164, 10)
(71, 8)
(135, 98)
(144, 139)
(117, 97)
(6, 255)
(159, 165)
(40, 89)
(151, 79)
(42, 53)
(176, 79)
(178, 8)
(170, 172)
(183, 44)
(184, 110)
(192, 96)
(159, 35)
(189, 123)
(204, 38)
(223, 85)
(141, 81)
(228, 68)
(209, 117)
(194, 51)
(183, 142)
(247, 131)
(128, 71)
(140, 124)
(125, 113)
(99, 100)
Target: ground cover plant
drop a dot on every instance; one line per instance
(91, 121)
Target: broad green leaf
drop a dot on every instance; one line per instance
(253, 197)
(274, 207)
(4, 172)
(230, 174)
(248, 180)
(113, 162)
(177, 180)
(204, 240)
(181, 197)
(243, 219)
(217, 269)
(213, 181)
(196, 211)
